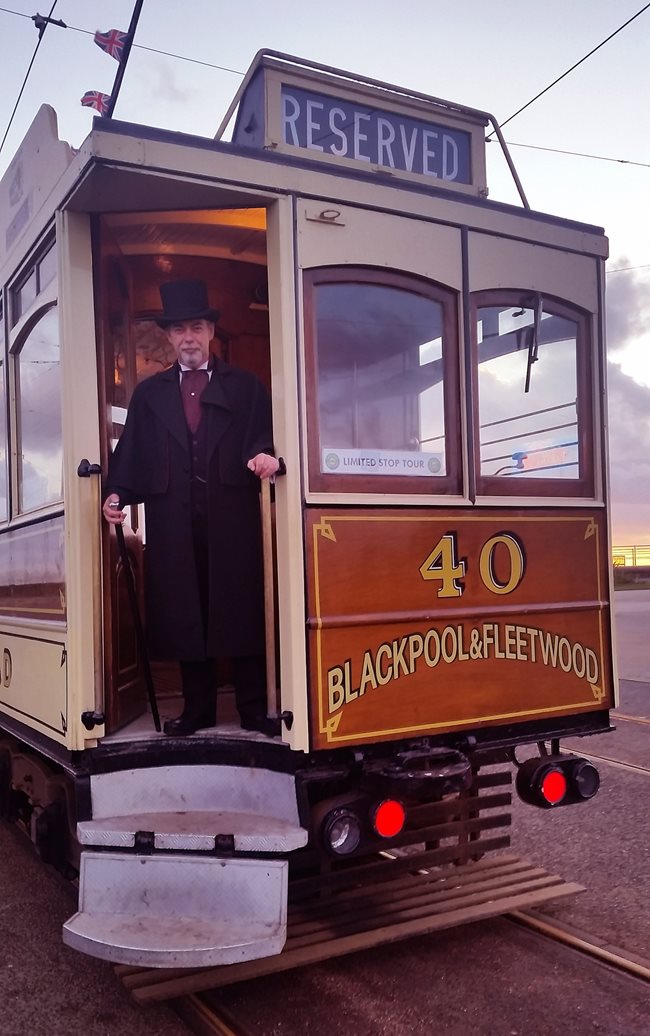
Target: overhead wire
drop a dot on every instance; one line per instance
(41, 34)
(574, 66)
(580, 154)
(535, 147)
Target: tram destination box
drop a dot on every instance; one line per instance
(329, 118)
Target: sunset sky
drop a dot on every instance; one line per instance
(494, 57)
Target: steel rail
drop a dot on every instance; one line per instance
(630, 719)
(630, 767)
(203, 1019)
(584, 942)
(206, 1019)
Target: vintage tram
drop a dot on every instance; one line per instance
(437, 553)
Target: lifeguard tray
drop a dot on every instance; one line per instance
(328, 115)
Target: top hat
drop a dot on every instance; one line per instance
(185, 300)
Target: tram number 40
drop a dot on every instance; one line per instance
(443, 564)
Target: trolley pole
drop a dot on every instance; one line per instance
(125, 57)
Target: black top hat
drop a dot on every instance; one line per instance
(185, 300)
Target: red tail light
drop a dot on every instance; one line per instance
(553, 787)
(388, 818)
(557, 780)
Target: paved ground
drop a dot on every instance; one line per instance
(488, 978)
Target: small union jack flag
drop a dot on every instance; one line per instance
(95, 99)
(113, 42)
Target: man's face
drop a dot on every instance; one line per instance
(190, 340)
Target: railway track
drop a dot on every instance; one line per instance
(206, 1016)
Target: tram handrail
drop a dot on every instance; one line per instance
(269, 601)
(380, 84)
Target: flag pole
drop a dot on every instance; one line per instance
(125, 57)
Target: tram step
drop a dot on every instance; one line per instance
(170, 911)
(245, 832)
(185, 807)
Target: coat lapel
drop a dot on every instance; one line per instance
(217, 405)
(167, 404)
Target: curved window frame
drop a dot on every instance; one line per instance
(392, 485)
(44, 305)
(584, 485)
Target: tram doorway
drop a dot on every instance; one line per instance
(139, 251)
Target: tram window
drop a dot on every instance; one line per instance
(380, 363)
(47, 268)
(38, 394)
(24, 295)
(3, 430)
(33, 282)
(531, 407)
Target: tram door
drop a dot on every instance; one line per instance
(138, 252)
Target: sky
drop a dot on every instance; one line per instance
(494, 57)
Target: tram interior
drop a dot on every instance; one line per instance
(139, 251)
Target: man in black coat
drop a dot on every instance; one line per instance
(197, 439)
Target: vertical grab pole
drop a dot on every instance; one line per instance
(137, 625)
(269, 601)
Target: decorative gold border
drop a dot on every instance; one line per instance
(325, 528)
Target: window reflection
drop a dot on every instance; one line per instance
(3, 427)
(39, 415)
(380, 381)
(527, 379)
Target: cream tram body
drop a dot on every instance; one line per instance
(284, 231)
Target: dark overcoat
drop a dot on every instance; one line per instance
(151, 465)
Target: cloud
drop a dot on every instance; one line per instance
(629, 446)
(628, 308)
(164, 85)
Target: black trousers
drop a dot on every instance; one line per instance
(200, 692)
(199, 677)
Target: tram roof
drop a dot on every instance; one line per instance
(124, 166)
(99, 150)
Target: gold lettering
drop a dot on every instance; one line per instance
(416, 647)
(383, 678)
(398, 658)
(593, 672)
(350, 695)
(564, 655)
(335, 689)
(462, 655)
(448, 633)
(579, 667)
(511, 651)
(367, 674)
(532, 633)
(521, 644)
(498, 653)
(428, 658)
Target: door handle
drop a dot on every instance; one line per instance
(86, 469)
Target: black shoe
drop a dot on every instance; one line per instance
(264, 724)
(188, 722)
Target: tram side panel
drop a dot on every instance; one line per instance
(453, 622)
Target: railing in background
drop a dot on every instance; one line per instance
(631, 567)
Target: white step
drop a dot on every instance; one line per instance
(173, 789)
(186, 807)
(195, 830)
(178, 911)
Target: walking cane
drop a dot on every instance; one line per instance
(137, 623)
